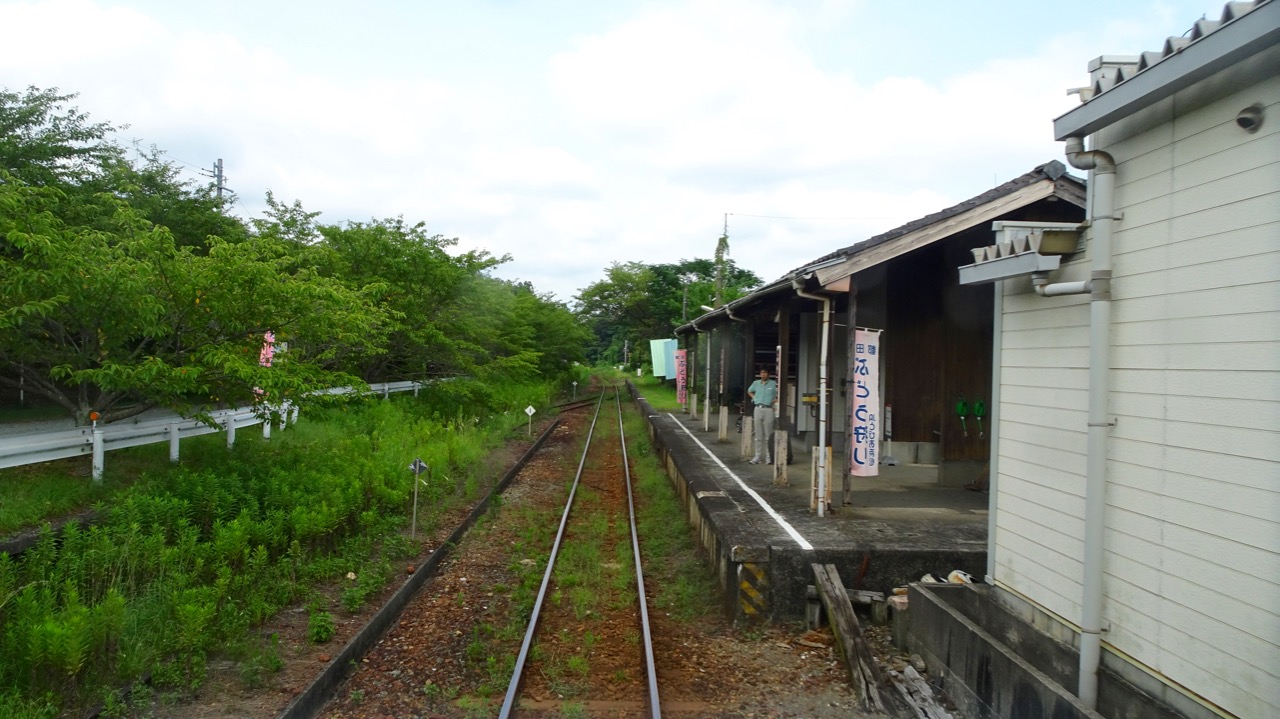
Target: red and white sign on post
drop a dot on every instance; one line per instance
(864, 439)
(682, 376)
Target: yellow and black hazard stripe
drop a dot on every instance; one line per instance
(753, 590)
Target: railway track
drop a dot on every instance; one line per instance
(590, 651)
(599, 464)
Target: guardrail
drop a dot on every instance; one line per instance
(34, 448)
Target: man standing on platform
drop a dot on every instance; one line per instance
(762, 392)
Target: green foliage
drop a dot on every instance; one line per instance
(264, 660)
(320, 626)
(43, 141)
(637, 302)
(688, 584)
(104, 310)
(124, 287)
(35, 493)
(369, 582)
(189, 560)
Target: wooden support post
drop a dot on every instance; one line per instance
(813, 480)
(864, 674)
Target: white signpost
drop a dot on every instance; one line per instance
(418, 467)
(529, 411)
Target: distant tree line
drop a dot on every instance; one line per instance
(125, 287)
(637, 302)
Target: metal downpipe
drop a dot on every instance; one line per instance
(797, 284)
(1103, 183)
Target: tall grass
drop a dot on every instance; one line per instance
(659, 393)
(185, 561)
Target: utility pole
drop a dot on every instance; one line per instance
(219, 180)
(722, 249)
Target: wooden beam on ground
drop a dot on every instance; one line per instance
(864, 674)
(918, 695)
(856, 596)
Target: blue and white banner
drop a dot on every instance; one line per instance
(864, 437)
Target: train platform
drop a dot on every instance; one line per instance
(763, 538)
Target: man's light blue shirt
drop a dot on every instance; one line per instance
(763, 392)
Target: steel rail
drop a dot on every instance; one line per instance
(655, 707)
(517, 677)
(517, 674)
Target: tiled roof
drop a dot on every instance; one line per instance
(1109, 76)
(1065, 186)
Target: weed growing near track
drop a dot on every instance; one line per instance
(686, 585)
(185, 561)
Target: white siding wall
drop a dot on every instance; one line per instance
(1192, 584)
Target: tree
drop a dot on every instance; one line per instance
(420, 292)
(43, 142)
(519, 334)
(617, 311)
(155, 188)
(108, 315)
(638, 302)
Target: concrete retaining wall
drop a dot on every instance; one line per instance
(696, 512)
(993, 664)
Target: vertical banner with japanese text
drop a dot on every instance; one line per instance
(682, 376)
(864, 439)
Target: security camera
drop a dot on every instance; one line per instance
(1250, 118)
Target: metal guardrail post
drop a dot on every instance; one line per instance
(98, 453)
(37, 447)
(174, 437)
(266, 428)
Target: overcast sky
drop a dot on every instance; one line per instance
(572, 134)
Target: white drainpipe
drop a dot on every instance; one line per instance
(798, 285)
(1103, 183)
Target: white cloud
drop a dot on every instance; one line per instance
(643, 135)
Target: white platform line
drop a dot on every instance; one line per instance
(804, 543)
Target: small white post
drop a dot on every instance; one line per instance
(293, 414)
(173, 442)
(266, 429)
(529, 411)
(575, 390)
(417, 467)
(231, 431)
(98, 449)
(416, 385)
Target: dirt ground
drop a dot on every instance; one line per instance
(419, 668)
